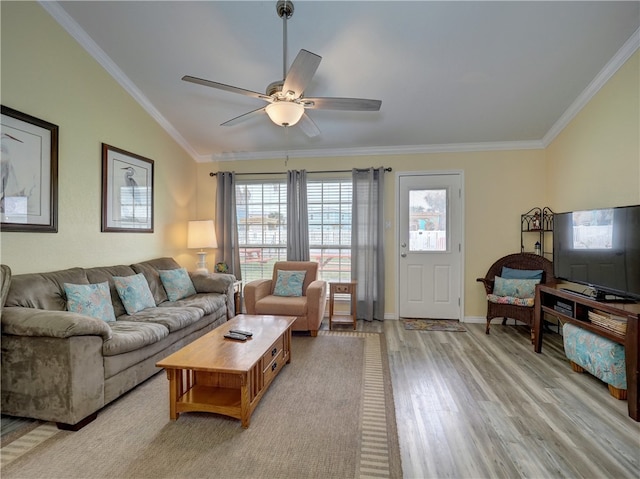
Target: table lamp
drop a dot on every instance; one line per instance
(201, 234)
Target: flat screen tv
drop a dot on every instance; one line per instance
(599, 248)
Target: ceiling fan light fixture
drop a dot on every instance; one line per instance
(285, 113)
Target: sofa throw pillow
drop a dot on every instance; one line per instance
(289, 283)
(177, 283)
(134, 292)
(512, 273)
(517, 288)
(91, 300)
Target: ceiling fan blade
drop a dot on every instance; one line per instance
(308, 126)
(351, 104)
(229, 88)
(302, 70)
(243, 117)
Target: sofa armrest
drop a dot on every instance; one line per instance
(254, 292)
(216, 283)
(212, 282)
(316, 299)
(21, 321)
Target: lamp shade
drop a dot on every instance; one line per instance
(285, 113)
(201, 234)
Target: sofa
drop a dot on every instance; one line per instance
(308, 304)
(64, 366)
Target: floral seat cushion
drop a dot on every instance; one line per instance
(494, 298)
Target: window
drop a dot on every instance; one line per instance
(262, 226)
(428, 220)
(329, 207)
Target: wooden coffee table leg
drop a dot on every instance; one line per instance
(174, 393)
(245, 400)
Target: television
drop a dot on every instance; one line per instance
(599, 248)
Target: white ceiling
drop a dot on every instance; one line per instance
(451, 75)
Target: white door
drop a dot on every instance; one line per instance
(430, 245)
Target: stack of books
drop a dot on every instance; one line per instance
(612, 322)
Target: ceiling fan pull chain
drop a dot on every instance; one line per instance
(286, 142)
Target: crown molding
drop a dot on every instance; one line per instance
(380, 150)
(54, 9)
(612, 66)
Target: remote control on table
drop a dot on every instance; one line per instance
(237, 337)
(244, 333)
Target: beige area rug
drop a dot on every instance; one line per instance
(328, 414)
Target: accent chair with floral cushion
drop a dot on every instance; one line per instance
(510, 287)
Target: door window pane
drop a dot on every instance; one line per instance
(428, 220)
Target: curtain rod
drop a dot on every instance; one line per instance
(387, 169)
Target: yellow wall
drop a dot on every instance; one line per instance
(595, 161)
(499, 187)
(46, 74)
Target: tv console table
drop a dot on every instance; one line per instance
(574, 308)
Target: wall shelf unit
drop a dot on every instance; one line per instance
(536, 226)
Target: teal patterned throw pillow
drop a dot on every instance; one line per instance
(91, 300)
(516, 288)
(134, 292)
(177, 283)
(289, 283)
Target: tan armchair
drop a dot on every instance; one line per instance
(309, 308)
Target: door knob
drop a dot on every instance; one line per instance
(404, 255)
(403, 245)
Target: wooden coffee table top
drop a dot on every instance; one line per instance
(213, 352)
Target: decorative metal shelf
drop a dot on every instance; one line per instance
(536, 220)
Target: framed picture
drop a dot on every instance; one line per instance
(127, 191)
(29, 173)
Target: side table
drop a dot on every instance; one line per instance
(343, 288)
(237, 296)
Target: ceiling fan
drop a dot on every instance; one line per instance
(286, 103)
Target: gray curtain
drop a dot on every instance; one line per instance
(367, 242)
(226, 223)
(297, 216)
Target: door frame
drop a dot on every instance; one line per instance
(396, 246)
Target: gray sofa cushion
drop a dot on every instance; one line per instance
(54, 324)
(150, 270)
(207, 302)
(106, 273)
(115, 365)
(212, 283)
(43, 290)
(129, 336)
(172, 318)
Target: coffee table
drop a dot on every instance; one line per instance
(228, 377)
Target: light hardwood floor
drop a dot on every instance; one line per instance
(470, 405)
